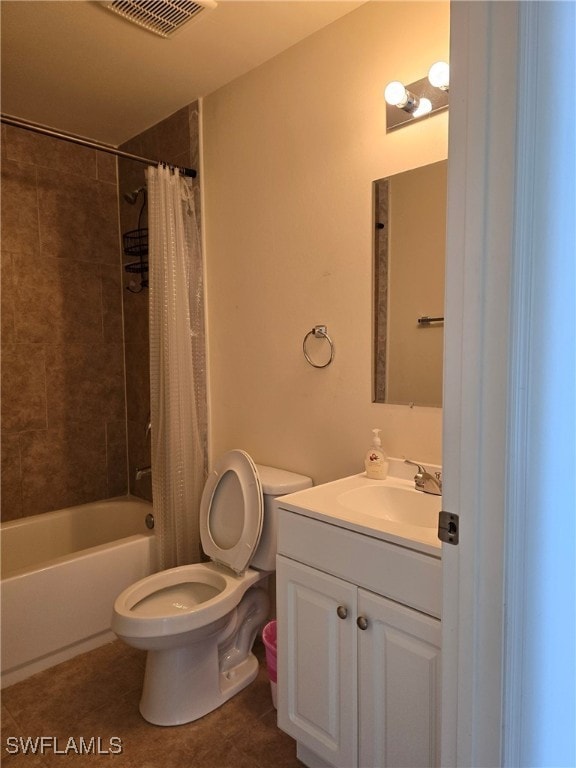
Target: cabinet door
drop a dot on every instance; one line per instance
(317, 702)
(399, 686)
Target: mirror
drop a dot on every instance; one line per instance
(409, 257)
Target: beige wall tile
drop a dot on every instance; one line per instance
(56, 300)
(78, 217)
(11, 497)
(136, 315)
(47, 152)
(7, 299)
(169, 138)
(112, 327)
(116, 457)
(194, 127)
(84, 382)
(64, 301)
(3, 152)
(23, 387)
(106, 166)
(19, 227)
(62, 467)
(138, 379)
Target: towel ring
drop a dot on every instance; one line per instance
(320, 332)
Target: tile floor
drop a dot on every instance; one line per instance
(96, 695)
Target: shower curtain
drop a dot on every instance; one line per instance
(177, 375)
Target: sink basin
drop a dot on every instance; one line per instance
(389, 502)
(391, 510)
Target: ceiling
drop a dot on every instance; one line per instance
(75, 66)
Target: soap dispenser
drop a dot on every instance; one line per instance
(376, 462)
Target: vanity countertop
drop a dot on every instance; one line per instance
(329, 502)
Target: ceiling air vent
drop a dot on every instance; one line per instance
(163, 17)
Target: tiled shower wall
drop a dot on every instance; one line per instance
(73, 419)
(63, 400)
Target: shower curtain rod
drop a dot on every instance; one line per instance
(43, 129)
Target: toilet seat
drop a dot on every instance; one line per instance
(154, 606)
(232, 511)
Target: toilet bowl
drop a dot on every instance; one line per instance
(199, 622)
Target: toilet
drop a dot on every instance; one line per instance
(199, 622)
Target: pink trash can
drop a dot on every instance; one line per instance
(269, 639)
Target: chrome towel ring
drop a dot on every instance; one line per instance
(320, 332)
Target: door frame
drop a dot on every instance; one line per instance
(501, 261)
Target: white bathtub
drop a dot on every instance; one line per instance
(61, 572)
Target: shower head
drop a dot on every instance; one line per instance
(131, 197)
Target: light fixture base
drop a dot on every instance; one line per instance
(397, 118)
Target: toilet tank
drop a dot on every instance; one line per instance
(275, 482)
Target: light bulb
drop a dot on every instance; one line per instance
(439, 75)
(395, 94)
(423, 108)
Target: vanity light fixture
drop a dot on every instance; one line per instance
(439, 75)
(397, 95)
(425, 97)
(424, 107)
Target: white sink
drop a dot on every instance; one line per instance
(390, 509)
(389, 502)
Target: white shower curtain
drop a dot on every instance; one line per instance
(176, 359)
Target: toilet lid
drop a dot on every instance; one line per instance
(232, 511)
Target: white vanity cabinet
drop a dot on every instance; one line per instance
(358, 647)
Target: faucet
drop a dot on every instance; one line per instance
(143, 472)
(424, 481)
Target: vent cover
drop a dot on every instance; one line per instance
(163, 17)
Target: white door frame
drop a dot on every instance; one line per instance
(499, 53)
(479, 244)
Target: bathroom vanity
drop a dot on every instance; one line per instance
(359, 589)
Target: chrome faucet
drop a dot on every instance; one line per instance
(424, 481)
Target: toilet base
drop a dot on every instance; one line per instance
(170, 681)
(190, 674)
(234, 680)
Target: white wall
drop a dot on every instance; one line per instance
(290, 153)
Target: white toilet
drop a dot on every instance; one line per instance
(199, 622)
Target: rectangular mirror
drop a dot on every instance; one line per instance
(409, 258)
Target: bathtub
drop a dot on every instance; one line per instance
(61, 572)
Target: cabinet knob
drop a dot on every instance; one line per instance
(342, 612)
(362, 622)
